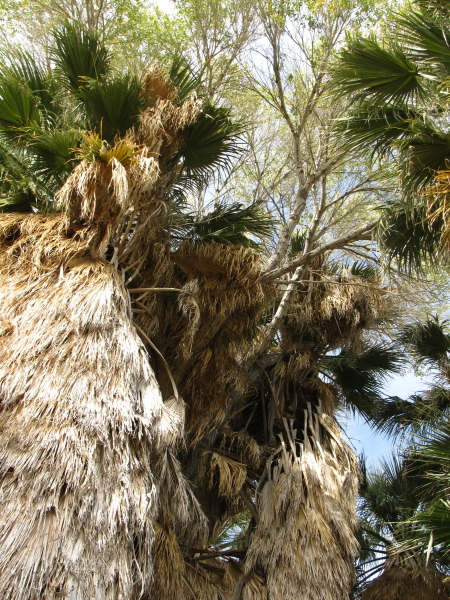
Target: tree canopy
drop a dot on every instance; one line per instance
(192, 285)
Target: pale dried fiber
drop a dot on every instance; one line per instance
(201, 584)
(243, 445)
(229, 275)
(304, 542)
(179, 508)
(407, 577)
(336, 307)
(163, 126)
(169, 567)
(229, 473)
(36, 243)
(81, 414)
(157, 83)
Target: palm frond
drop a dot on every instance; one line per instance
(19, 112)
(388, 495)
(24, 67)
(227, 224)
(426, 37)
(409, 239)
(432, 522)
(183, 78)
(370, 127)
(426, 150)
(395, 416)
(113, 106)
(54, 154)
(79, 55)
(298, 240)
(211, 143)
(384, 75)
(361, 377)
(429, 342)
(18, 180)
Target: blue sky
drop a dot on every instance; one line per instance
(361, 437)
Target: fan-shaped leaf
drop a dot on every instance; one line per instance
(80, 56)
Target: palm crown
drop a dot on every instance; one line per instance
(399, 90)
(51, 120)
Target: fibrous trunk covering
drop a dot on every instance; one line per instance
(81, 418)
(132, 427)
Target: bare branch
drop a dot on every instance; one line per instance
(354, 236)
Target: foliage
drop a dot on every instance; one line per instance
(239, 331)
(398, 90)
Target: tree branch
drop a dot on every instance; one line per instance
(354, 236)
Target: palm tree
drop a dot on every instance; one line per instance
(391, 501)
(398, 86)
(136, 419)
(404, 511)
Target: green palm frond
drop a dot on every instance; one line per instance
(211, 143)
(80, 56)
(298, 240)
(361, 377)
(396, 417)
(227, 224)
(431, 454)
(384, 75)
(429, 341)
(54, 154)
(364, 270)
(233, 532)
(19, 182)
(183, 78)
(19, 112)
(113, 106)
(388, 494)
(426, 37)
(426, 149)
(24, 67)
(370, 127)
(408, 239)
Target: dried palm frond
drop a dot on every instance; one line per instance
(163, 126)
(157, 83)
(229, 473)
(337, 307)
(438, 195)
(170, 568)
(179, 507)
(306, 511)
(243, 444)
(407, 576)
(81, 412)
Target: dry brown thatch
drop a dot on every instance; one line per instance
(92, 425)
(81, 412)
(335, 308)
(82, 416)
(304, 541)
(404, 577)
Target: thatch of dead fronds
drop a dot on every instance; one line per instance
(243, 445)
(306, 512)
(221, 303)
(226, 475)
(404, 577)
(80, 420)
(179, 509)
(336, 307)
(82, 413)
(439, 202)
